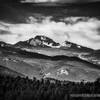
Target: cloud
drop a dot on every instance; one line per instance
(60, 1)
(80, 30)
(38, 1)
(4, 32)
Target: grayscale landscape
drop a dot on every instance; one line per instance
(53, 40)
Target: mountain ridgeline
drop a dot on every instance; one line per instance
(33, 63)
(11, 50)
(43, 41)
(38, 41)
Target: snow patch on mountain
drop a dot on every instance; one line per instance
(39, 41)
(62, 71)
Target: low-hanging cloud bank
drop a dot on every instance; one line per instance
(80, 30)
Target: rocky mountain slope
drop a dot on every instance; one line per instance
(43, 41)
(38, 41)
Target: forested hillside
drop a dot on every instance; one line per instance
(46, 89)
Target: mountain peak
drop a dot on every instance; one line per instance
(44, 41)
(39, 41)
(3, 44)
(73, 46)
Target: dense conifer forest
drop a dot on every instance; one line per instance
(46, 89)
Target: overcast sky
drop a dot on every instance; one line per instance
(85, 32)
(82, 30)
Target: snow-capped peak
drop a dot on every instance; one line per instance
(40, 41)
(43, 41)
(71, 45)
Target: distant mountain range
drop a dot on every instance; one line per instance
(19, 62)
(43, 41)
(48, 47)
(74, 46)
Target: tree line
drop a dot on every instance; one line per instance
(45, 89)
